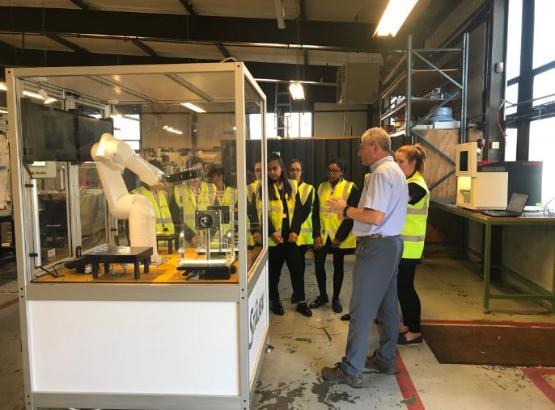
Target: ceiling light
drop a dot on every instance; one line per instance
(193, 107)
(46, 97)
(172, 130)
(96, 115)
(33, 94)
(297, 91)
(2, 111)
(3, 86)
(394, 16)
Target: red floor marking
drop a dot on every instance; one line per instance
(8, 303)
(535, 374)
(487, 323)
(410, 395)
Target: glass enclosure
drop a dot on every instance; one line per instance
(135, 175)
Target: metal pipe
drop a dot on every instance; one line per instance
(408, 97)
(464, 94)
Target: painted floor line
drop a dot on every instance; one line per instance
(408, 390)
(536, 376)
(8, 303)
(487, 323)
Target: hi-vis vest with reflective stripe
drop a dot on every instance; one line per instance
(330, 221)
(306, 191)
(229, 199)
(190, 201)
(164, 222)
(276, 211)
(414, 230)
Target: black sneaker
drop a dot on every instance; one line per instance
(277, 307)
(319, 301)
(376, 364)
(304, 310)
(337, 375)
(336, 304)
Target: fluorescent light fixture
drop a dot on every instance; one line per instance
(297, 91)
(2, 111)
(50, 100)
(172, 130)
(3, 86)
(96, 115)
(394, 16)
(193, 107)
(33, 94)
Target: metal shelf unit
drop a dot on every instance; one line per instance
(414, 82)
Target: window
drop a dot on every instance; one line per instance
(510, 145)
(544, 87)
(544, 51)
(128, 128)
(299, 124)
(255, 126)
(542, 146)
(514, 32)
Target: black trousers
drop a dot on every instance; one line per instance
(338, 272)
(408, 298)
(291, 255)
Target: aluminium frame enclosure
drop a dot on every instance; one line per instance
(76, 305)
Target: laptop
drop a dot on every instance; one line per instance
(515, 207)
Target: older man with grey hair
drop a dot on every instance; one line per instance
(378, 221)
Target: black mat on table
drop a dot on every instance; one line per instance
(492, 345)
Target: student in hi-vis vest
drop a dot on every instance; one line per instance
(191, 196)
(306, 195)
(410, 159)
(254, 208)
(225, 196)
(285, 217)
(331, 234)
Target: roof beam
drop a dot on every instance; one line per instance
(16, 57)
(66, 43)
(342, 36)
(188, 6)
(144, 47)
(82, 4)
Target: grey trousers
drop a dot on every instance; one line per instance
(374, 295)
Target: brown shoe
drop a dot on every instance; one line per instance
(376, 365)
(337, 375)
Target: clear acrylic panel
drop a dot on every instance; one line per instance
(92, 207)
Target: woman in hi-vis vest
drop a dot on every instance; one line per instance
(285, 216)
(331, 234)
(410, 159)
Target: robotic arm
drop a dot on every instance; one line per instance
(112, 156)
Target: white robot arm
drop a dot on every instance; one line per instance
(112, 157)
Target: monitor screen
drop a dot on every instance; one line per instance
(48, 133)
(463, 161)
(88, 132)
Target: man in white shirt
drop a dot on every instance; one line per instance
(378, 222)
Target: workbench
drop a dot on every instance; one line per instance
(527, 219)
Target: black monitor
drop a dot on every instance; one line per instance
(88, 132)
(48, 133)
(524, 177)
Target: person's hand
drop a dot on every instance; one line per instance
(277, 237)
(257, 238)
(293, 237)
(335, 243)
(318, 243)
(336, 206)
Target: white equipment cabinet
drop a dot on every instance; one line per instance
(160, 341)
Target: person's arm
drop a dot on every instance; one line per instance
(316, 217)
(373, 206)
(301, 213)
(346, 225)
(416, 193)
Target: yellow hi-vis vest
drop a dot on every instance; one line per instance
(330, 221)
(164, 222)
(229, 199)
(276, 211)
(306, 191)
(189, 201)
(414, 229)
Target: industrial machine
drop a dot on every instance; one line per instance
(478, 190)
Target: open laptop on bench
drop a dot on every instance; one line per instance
(515, 207)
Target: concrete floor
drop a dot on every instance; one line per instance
(290, 378)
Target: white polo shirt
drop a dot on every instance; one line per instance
(386, 190)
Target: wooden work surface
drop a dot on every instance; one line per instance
(164, 273)
(527, 218)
